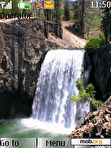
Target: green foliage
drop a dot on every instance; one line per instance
(86, 93)
(106, 23)
(66, 11)
(15, 7)
(58, 10)
(90, 90)
(94, 43)
(83, 94)
(96, 103)
(79, 85)
(14, 10)
(75, 98)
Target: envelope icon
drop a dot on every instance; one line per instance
(48, 4)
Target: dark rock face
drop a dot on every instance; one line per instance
(100, 74)
(15, 105)
(25, 46)
(24, 43)
(86, 69)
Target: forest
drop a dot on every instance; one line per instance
(87, 21)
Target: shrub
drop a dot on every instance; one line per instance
(94, 43)
(79, 85)
(87, 93)
(96, 103)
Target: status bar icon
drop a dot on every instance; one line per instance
(39, 4)
(24, 5)
(48, 4)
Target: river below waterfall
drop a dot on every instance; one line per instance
(18, 129)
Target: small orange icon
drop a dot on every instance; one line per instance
(48, 4)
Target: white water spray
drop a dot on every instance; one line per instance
(57, 82)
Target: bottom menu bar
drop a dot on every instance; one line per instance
(52, 143)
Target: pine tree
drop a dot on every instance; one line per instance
(58, 11)
(76, 11)
(79, 14)
(106, 23)
(15, 8)
(82, 17)
(16, 11)
(66, 11)
(57, 15)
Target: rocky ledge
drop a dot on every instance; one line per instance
(96, 125)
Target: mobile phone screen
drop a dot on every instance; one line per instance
(55, 73)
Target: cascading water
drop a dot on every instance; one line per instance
(57, 82)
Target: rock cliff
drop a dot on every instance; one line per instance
(24, 44)
(100, 75)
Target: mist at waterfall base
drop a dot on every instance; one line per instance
(52, 109)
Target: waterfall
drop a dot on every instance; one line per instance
(56, 83)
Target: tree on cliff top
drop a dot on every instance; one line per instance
(106, 23)
(58, 10)
(15, 7)
(66, 11)
(79, 14)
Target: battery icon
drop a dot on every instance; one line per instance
(24, 5)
